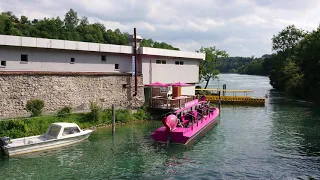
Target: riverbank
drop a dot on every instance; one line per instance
(22, 127)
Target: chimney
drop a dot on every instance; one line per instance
(131, 40)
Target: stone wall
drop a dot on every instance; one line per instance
(66, 89)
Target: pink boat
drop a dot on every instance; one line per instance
(187, 123)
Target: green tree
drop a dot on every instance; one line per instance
(287, 39)
(70, 28)
(208, 68)
(284, 43)
(71, 20)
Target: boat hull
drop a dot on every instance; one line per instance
(45, 145)
(187, 135)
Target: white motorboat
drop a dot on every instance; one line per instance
(57, 135)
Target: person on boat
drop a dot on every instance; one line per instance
(200, 111)
(180, 121)
(203, 98)
(70, 130)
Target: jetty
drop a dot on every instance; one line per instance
(221, 94)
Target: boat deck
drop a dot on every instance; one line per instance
(25, 141)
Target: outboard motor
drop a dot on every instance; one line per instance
(4, 141)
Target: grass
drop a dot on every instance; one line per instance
(22, 127)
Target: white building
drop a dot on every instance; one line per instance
(156, 65)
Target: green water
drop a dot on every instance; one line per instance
(279, 141)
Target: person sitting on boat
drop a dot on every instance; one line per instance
(200, 112)
(203, 98)
(70, 131)
(180, 121)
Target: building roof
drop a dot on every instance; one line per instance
(21, 41)
(65, 124)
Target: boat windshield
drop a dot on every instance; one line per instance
(54, 131)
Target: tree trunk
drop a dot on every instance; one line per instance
(207, 84)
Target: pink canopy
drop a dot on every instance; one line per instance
(157, 84)
(179, 84)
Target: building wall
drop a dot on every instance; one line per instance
(59, 90)
(189, 90)
(169, 72)
(59, 60)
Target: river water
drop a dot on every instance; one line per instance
(278, 141)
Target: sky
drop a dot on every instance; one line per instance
(240, 27)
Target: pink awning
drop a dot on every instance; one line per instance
(179, 84)
(157, 84)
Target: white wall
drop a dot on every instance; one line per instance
(190, 90)
(59, 60)
(169, 72)
(171, 53)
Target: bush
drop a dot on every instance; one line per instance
(106, 116)
(35, 106)
(95, 112)
(123, 115)
(142, 114)
(64, 111)
(198, 87)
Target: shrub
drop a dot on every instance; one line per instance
(123, 115)
(198, 87)
(64, 111)
(35, 106)
(106, 116)
(142, 114)
(95, 111)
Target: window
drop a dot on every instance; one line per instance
(116, 66)
(24, 58)
(3, 64)
(70, 130)
(54, 131)
(163, 90)
(103, 58)
(161, 62)
(178, 62)
(72, 61)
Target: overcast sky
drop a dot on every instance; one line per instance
(241, 27)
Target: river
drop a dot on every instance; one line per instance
(278, 141)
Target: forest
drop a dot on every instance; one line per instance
(70, 28)
(294, 66)
(296, 63)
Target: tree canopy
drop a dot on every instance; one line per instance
(70, 28)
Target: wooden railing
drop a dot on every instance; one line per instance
(167, 103)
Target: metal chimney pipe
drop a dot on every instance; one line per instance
(136, 62)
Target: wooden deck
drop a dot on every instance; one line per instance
(159, 102)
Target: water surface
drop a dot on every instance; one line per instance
(278, 141)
